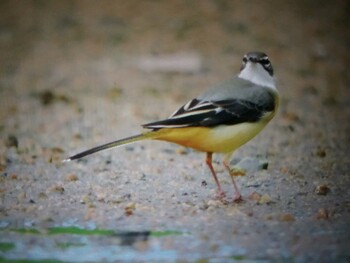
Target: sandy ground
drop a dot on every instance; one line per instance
(71, 77)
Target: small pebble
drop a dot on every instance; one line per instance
(46, 97)
(265, 199)
(129, 209)
(321, 152)
(91, 205)
(291, 117)
(130, 205)
(71, 178)
(85, 200)
(322, 189)
(56, 150)
(143, 177)
(11, 141)
(260, 199)
(254, 196)
(287, 217)
(322, 213)
(57, 189)
(14, 176)
(269, 216)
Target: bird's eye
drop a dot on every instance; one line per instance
(264, 61)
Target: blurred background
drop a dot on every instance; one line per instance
(74, 74)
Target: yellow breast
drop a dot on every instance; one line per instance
(219, 139)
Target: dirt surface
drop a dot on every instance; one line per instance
(71, 77)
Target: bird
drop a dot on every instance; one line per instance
(220, 120)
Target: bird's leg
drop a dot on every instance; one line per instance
(208, 161)
(238, 196)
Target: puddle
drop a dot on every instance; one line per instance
(74, 244)
(79, 245)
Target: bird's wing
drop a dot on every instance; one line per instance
(209, 113)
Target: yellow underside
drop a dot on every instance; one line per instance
(220, 139)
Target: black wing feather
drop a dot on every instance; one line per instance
(199, 113)
(235, 112)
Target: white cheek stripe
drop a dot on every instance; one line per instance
(258, 75)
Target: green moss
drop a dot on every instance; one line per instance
(6, 246)
(26, 230)
(240, 257)
(166, 233)
(80, 231)
(66, 245)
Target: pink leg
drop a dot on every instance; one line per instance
(238, 196)
(208, 161)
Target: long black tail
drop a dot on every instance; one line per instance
(113, 144)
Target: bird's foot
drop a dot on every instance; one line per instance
(220, 195)
(237, 198)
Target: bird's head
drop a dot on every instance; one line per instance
(257, 68)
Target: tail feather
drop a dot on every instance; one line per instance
(113, 144)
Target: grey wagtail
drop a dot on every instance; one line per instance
(221, 119)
